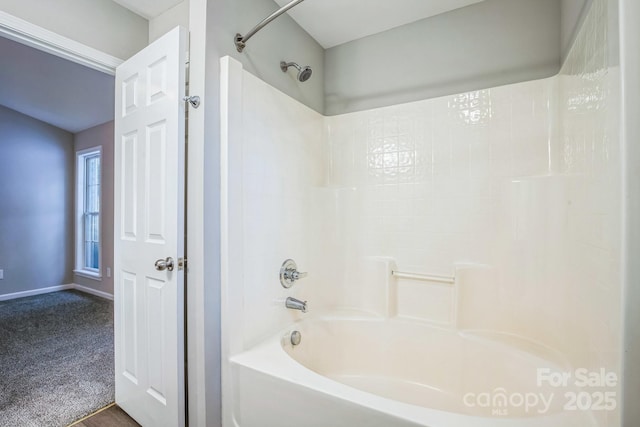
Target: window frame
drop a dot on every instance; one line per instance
(80, 269)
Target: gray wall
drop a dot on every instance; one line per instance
(36, 208)
(487, 44)
(630, 66)
(101, 24)
(101, 135)
(161, 24)
(572, 12)
(283, 39)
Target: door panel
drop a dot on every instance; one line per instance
(128, 186)
(149, 226)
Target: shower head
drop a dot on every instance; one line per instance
(304, 73)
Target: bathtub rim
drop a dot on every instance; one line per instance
(269, 357)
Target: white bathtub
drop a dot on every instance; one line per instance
(355, 371)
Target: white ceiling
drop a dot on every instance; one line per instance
(333, 22)
(148, 8)
(53, 90)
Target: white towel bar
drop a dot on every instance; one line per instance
(423, 277)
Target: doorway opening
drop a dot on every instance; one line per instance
(56, 251)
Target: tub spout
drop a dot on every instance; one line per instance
(296, 304)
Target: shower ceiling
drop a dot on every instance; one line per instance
(333, 22)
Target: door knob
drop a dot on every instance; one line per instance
(164, 264)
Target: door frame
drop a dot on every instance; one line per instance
(24, 32)
(21, 31)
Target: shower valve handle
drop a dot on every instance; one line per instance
(289, 273)
(295, 275)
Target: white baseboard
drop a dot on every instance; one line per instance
(40, 291)
(33, 292)
(92, 291)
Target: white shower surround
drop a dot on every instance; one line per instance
(515, 190)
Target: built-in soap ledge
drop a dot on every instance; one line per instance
(379, 286)
(438, 299)
(420, 296)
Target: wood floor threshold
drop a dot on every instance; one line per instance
(110, 416)
(92, 414)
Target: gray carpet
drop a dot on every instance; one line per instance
(56, 358)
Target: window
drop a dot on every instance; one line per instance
(88, 213)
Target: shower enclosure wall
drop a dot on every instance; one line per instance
(514, 191)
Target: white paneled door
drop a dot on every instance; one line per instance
(149, 232)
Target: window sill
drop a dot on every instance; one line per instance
(88, 274)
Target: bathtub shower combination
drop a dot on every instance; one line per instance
(418, 264)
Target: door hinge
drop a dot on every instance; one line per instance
(193, 100)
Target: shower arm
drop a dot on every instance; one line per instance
(241, 41)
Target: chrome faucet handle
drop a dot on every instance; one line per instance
(289, 273)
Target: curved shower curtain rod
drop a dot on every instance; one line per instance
(241, 41)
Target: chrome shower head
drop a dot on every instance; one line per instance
(304, 73)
